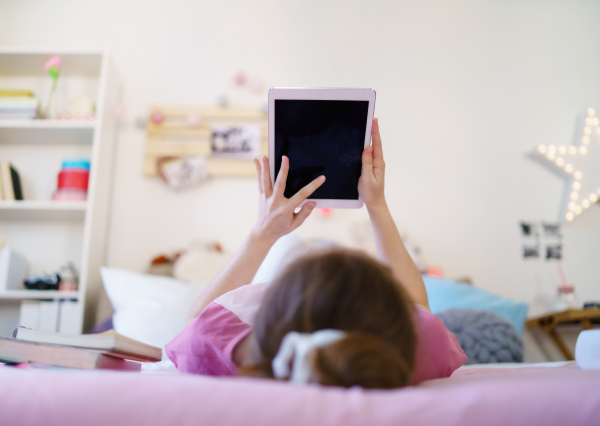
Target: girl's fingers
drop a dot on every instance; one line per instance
(258, 175)
(279, 188)
(367, 162)
(376, 142)
(304, 212)
(305, 192)
(266, 177)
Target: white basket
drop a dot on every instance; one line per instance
(13, 270)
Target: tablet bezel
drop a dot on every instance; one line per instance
(333, 94)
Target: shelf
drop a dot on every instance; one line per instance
(47, 124)
(41, 210)
(46, 132)
(73, 62)
(37, 294)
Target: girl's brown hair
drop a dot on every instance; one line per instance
(344, 290)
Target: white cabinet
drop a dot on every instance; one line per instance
(49, 233)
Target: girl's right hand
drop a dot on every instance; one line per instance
(276, 216)
(371, 182)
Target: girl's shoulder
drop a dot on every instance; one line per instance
(438, 353)
(206, 345)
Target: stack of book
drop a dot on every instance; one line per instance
(10, 182)
(85, 351)
(18, 104)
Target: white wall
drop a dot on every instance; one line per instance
(465, 89)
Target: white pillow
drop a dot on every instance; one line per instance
(287, 249)
(149, 308)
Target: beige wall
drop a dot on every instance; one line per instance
(465, 90)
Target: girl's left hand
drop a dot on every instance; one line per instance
(276, 216)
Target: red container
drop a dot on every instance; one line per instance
(76, 179)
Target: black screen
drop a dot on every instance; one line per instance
(321, 138)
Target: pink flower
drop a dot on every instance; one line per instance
(52, 62)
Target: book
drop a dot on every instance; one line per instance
(29, 313)
(48, 316)
(14, 351)
(110, 342)
(16, 183)
(11, 182)
(16, 92)
(5, 176)
(68, 317)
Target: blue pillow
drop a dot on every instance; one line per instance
(444, 294)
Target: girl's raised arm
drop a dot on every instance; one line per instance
(390, 248)
(276, 218)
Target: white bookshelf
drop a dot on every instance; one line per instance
(50, 233)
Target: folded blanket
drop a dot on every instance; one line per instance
(484, 335)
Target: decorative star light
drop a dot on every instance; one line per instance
(579, 164)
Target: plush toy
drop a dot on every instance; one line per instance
(201, 262)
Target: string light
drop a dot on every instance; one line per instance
(573, 161)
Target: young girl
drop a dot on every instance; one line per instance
(334, 317)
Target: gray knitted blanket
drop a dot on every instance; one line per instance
(485, 336)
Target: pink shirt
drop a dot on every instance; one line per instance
(206, 345)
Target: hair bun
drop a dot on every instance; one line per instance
(361, 359)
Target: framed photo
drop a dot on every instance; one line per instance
(235, 141)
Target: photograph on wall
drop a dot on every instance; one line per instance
(552, 230)
(529, 229)
(541, 240)
(554, 252)
(182, 173)
(531, 251)
(235, 141)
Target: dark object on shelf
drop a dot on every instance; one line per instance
(591, 305)
(42, 282)
(11, 183)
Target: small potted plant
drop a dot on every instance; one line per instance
(52, 66)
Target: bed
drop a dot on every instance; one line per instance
(555, 394)
(153, 309)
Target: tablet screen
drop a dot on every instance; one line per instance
(321, 137)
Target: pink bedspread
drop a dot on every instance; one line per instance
(514, 396)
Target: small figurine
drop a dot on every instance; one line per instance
(68, 277)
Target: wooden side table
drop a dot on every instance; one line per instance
(549, 322)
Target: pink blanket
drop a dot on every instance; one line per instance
(513, 396)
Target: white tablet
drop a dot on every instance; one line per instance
(322, 132)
